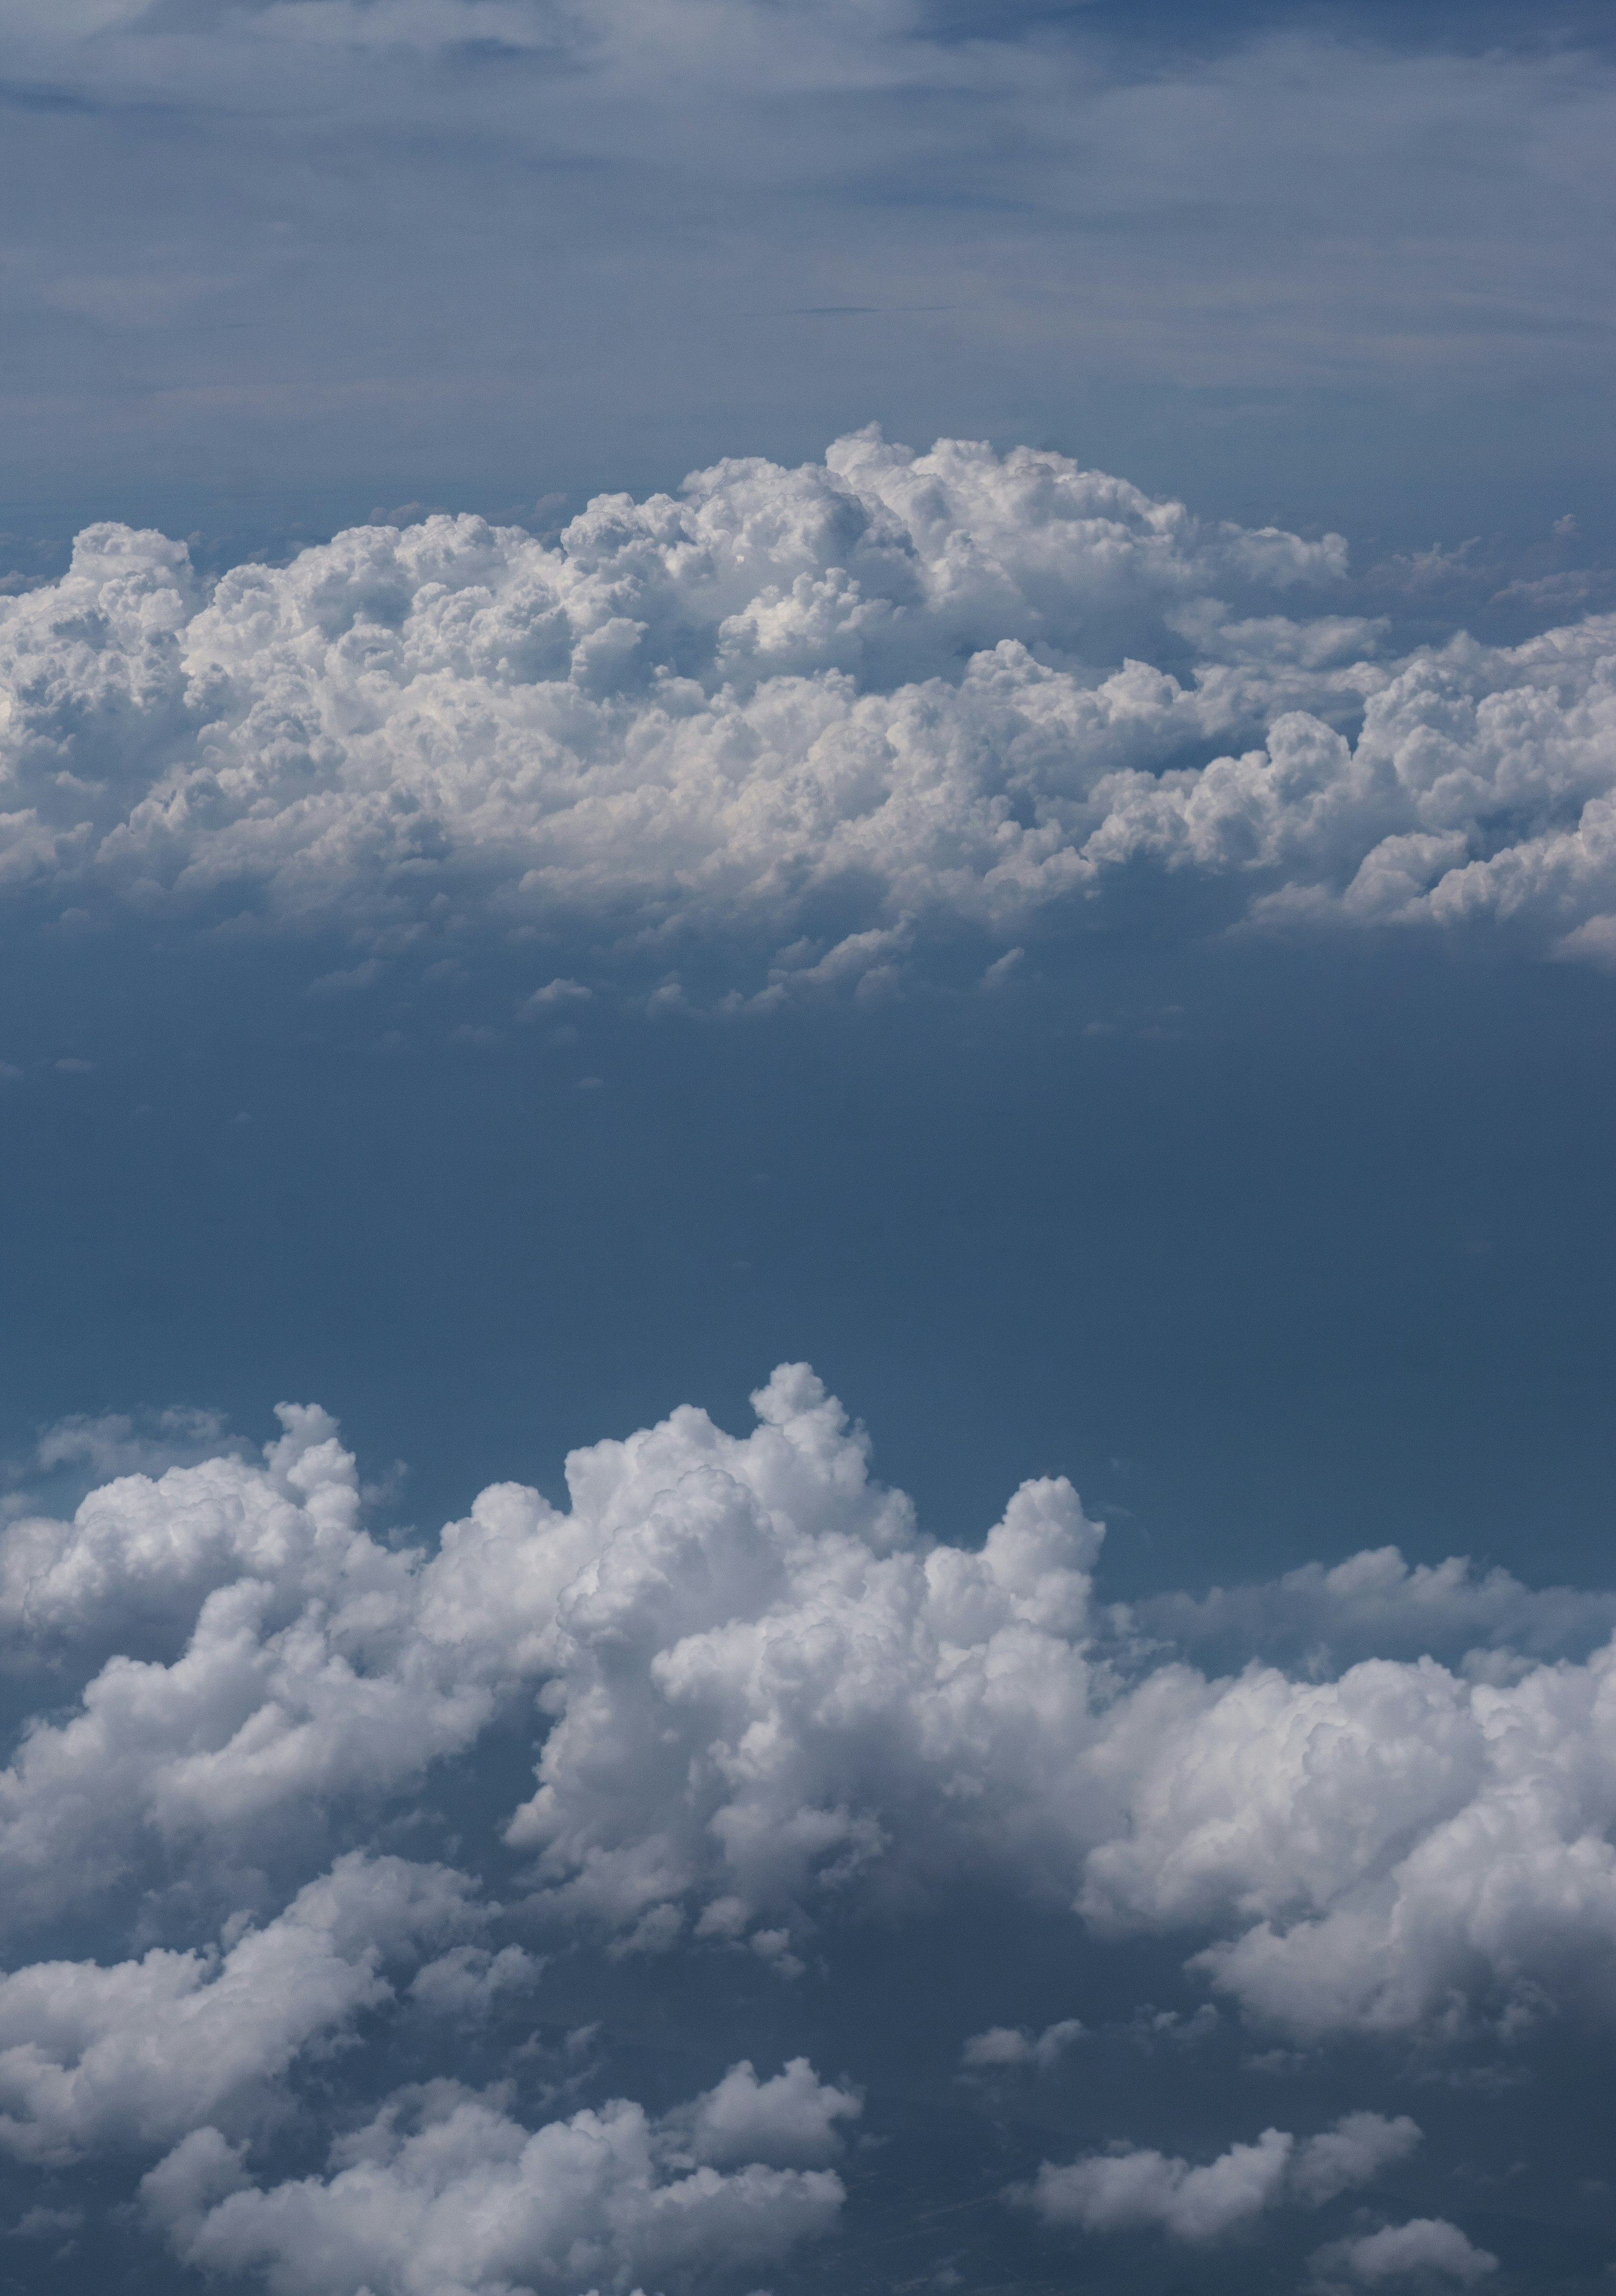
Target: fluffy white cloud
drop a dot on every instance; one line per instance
(1401, 1845)
(766, 1689)
(443, 2192)
(313, 1669)
(781, 1704)
(749, 1720)
(1131, 2187)
(139, 2052)
(1427, 2250)
(142, 1551)
(894, 688)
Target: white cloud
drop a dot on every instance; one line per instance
(709, 709)
(314, 1669)
(1131, 2189)
(1397, 1847)
(766, 1692)
(753, 1716)
(144, 1549)
(828, 1703)
(445, 2191)
(1426, 2250)
(138, 2054)
(921, 685)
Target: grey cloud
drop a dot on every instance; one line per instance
(1006, 2046)
(114, 1443)
(788, 2123)
(1132, 2188)
(444, 2190)
(1342, 2158)
(1426, 2251)
(469, 1982)
(1375, 1604)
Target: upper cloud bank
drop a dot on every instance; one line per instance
(806, 718)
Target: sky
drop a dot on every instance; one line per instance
(808, 919)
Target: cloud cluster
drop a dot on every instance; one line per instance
(138, 2053)
(766, 1692)
(1131, 2187)
(815, 713)
(444, 2191)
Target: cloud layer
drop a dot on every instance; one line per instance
(814, 717)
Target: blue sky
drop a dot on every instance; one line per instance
(276, 264)
(808, 899)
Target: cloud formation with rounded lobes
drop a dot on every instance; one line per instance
(814, 715)
(1427, 2250)
(138, 2053)
(443, 2191)
(768, 1693)
(1132, 2188)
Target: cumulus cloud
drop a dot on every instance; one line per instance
(146, 1548)
(1003, 2047)
(444, 2190)
(1355, 2150)
(138, 2054)
(765, 1692)
(789, 2122)
(1399, 1847)
(817, 712)
(1131, 2189)
(469, 1982)
(1426, 2251)
(760, 1699)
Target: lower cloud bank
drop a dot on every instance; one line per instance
(389, 1871)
